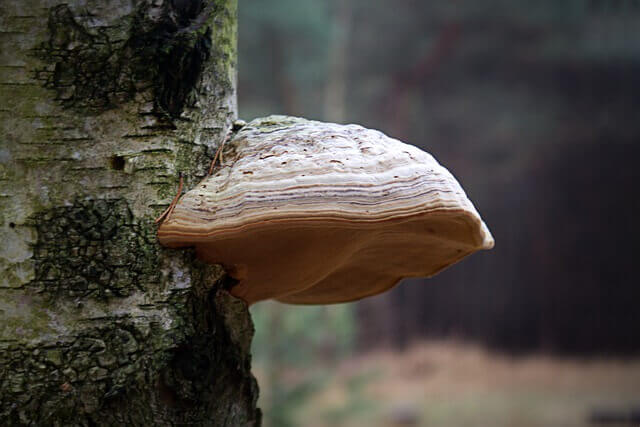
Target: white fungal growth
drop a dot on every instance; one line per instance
(325, 202)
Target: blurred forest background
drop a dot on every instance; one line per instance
(535, 108)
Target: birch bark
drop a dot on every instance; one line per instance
(103, 103)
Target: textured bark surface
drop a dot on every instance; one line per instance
(102, 105)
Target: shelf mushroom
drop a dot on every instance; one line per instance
(307, 212)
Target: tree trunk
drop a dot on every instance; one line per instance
(103, 103)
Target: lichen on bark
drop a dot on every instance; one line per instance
(93, 249)
(125, 372)
(157, 50)
(102, 326)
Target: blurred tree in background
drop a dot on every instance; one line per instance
(285, 46)
(295, 350)
(535, 107)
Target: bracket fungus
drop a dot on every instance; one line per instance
(307, 212)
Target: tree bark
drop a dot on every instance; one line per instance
(103, 103)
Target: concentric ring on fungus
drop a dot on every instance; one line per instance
(313, 213)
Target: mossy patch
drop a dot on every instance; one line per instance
(134, 371)
(156, 50)
(72, 378)
(93, 248)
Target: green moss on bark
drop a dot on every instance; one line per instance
(102, 326)
(187, 363)
(126, 372)
(93, 249)
(159, 51)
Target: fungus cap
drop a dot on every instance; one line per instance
(312, 213)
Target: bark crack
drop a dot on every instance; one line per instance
(159, 56)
